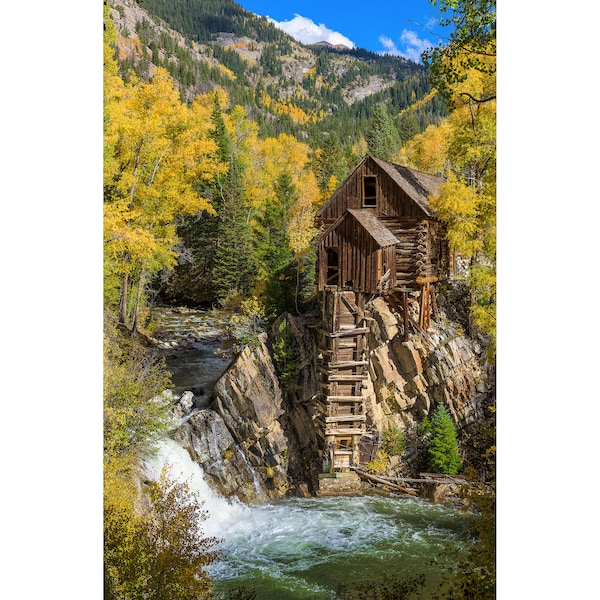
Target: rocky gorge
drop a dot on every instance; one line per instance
(257, 441)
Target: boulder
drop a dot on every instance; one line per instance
(185, 404)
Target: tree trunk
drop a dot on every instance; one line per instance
(297, 285)
(138, 301)
(123, 300)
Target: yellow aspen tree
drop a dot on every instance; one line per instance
(301, 225)
(159, 149)
(428, 151)
(467, 202)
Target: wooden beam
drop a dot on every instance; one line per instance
(423, 280)
(394, 486)
(434, 305)
(345, 432)
(333, 377)
(405, 313)
(347, 363)
(353, 308)
(347, 333)
(342, 418)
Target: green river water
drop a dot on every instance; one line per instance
(305, 548)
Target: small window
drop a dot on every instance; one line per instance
(370, 190)
(333, 269)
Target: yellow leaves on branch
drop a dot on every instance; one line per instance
(269, 159)
(458, 205)
(301, 221)
(156, 150)
(428, 151)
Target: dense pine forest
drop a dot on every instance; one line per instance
(223, 136)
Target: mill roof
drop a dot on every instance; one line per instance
(370, 223)
(416, 184)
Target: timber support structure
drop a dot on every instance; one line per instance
(344, 349)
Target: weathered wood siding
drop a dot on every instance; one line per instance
(343, 344)
(360, 259)
(392, 201)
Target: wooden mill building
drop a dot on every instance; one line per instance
(379, 236)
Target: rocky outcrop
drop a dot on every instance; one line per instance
(409, 378)
(258, 442)
(255, 442)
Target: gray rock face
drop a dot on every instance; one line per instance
(410, 378)
(210, 444)
(258, 443)
(252, 441)
(184, 405)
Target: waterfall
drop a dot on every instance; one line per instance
(223, 514)
(305, 547)
(258, 488)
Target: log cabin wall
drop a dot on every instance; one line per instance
(405, 229)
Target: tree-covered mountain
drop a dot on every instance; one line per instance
(310, 92)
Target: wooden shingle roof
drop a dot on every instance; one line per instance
(370, 223)
(416, 184)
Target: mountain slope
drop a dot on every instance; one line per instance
(307, 91)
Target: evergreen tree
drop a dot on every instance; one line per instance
(382, 136)
(223, 242)
(408, 127)
(443, 444)
(286, 356)
(273, 252)
(329, 165)
(233, 266)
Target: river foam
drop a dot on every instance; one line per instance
(301, 547)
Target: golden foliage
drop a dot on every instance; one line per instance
(428, 151)
(156, 150)
(154, 546)
(458, 204)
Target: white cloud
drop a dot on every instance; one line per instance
(413, 45)
(307, 31)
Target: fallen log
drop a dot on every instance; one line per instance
(386, 483)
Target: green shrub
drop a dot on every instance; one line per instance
(394, 442)
(286, 356)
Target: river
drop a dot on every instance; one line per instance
(301, 548)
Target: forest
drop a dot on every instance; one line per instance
(214, 168)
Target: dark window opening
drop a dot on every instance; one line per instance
(333, 269)
(349, 284)
(370, 190)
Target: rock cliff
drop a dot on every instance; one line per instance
(258, 442)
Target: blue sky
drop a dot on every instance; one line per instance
(403, 28)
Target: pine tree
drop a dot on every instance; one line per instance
(382, 136)
(443, 444)
(233, 266)
(227, 241)
(273, 252)
(409, 127)
(329, 165)
(286, 357)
